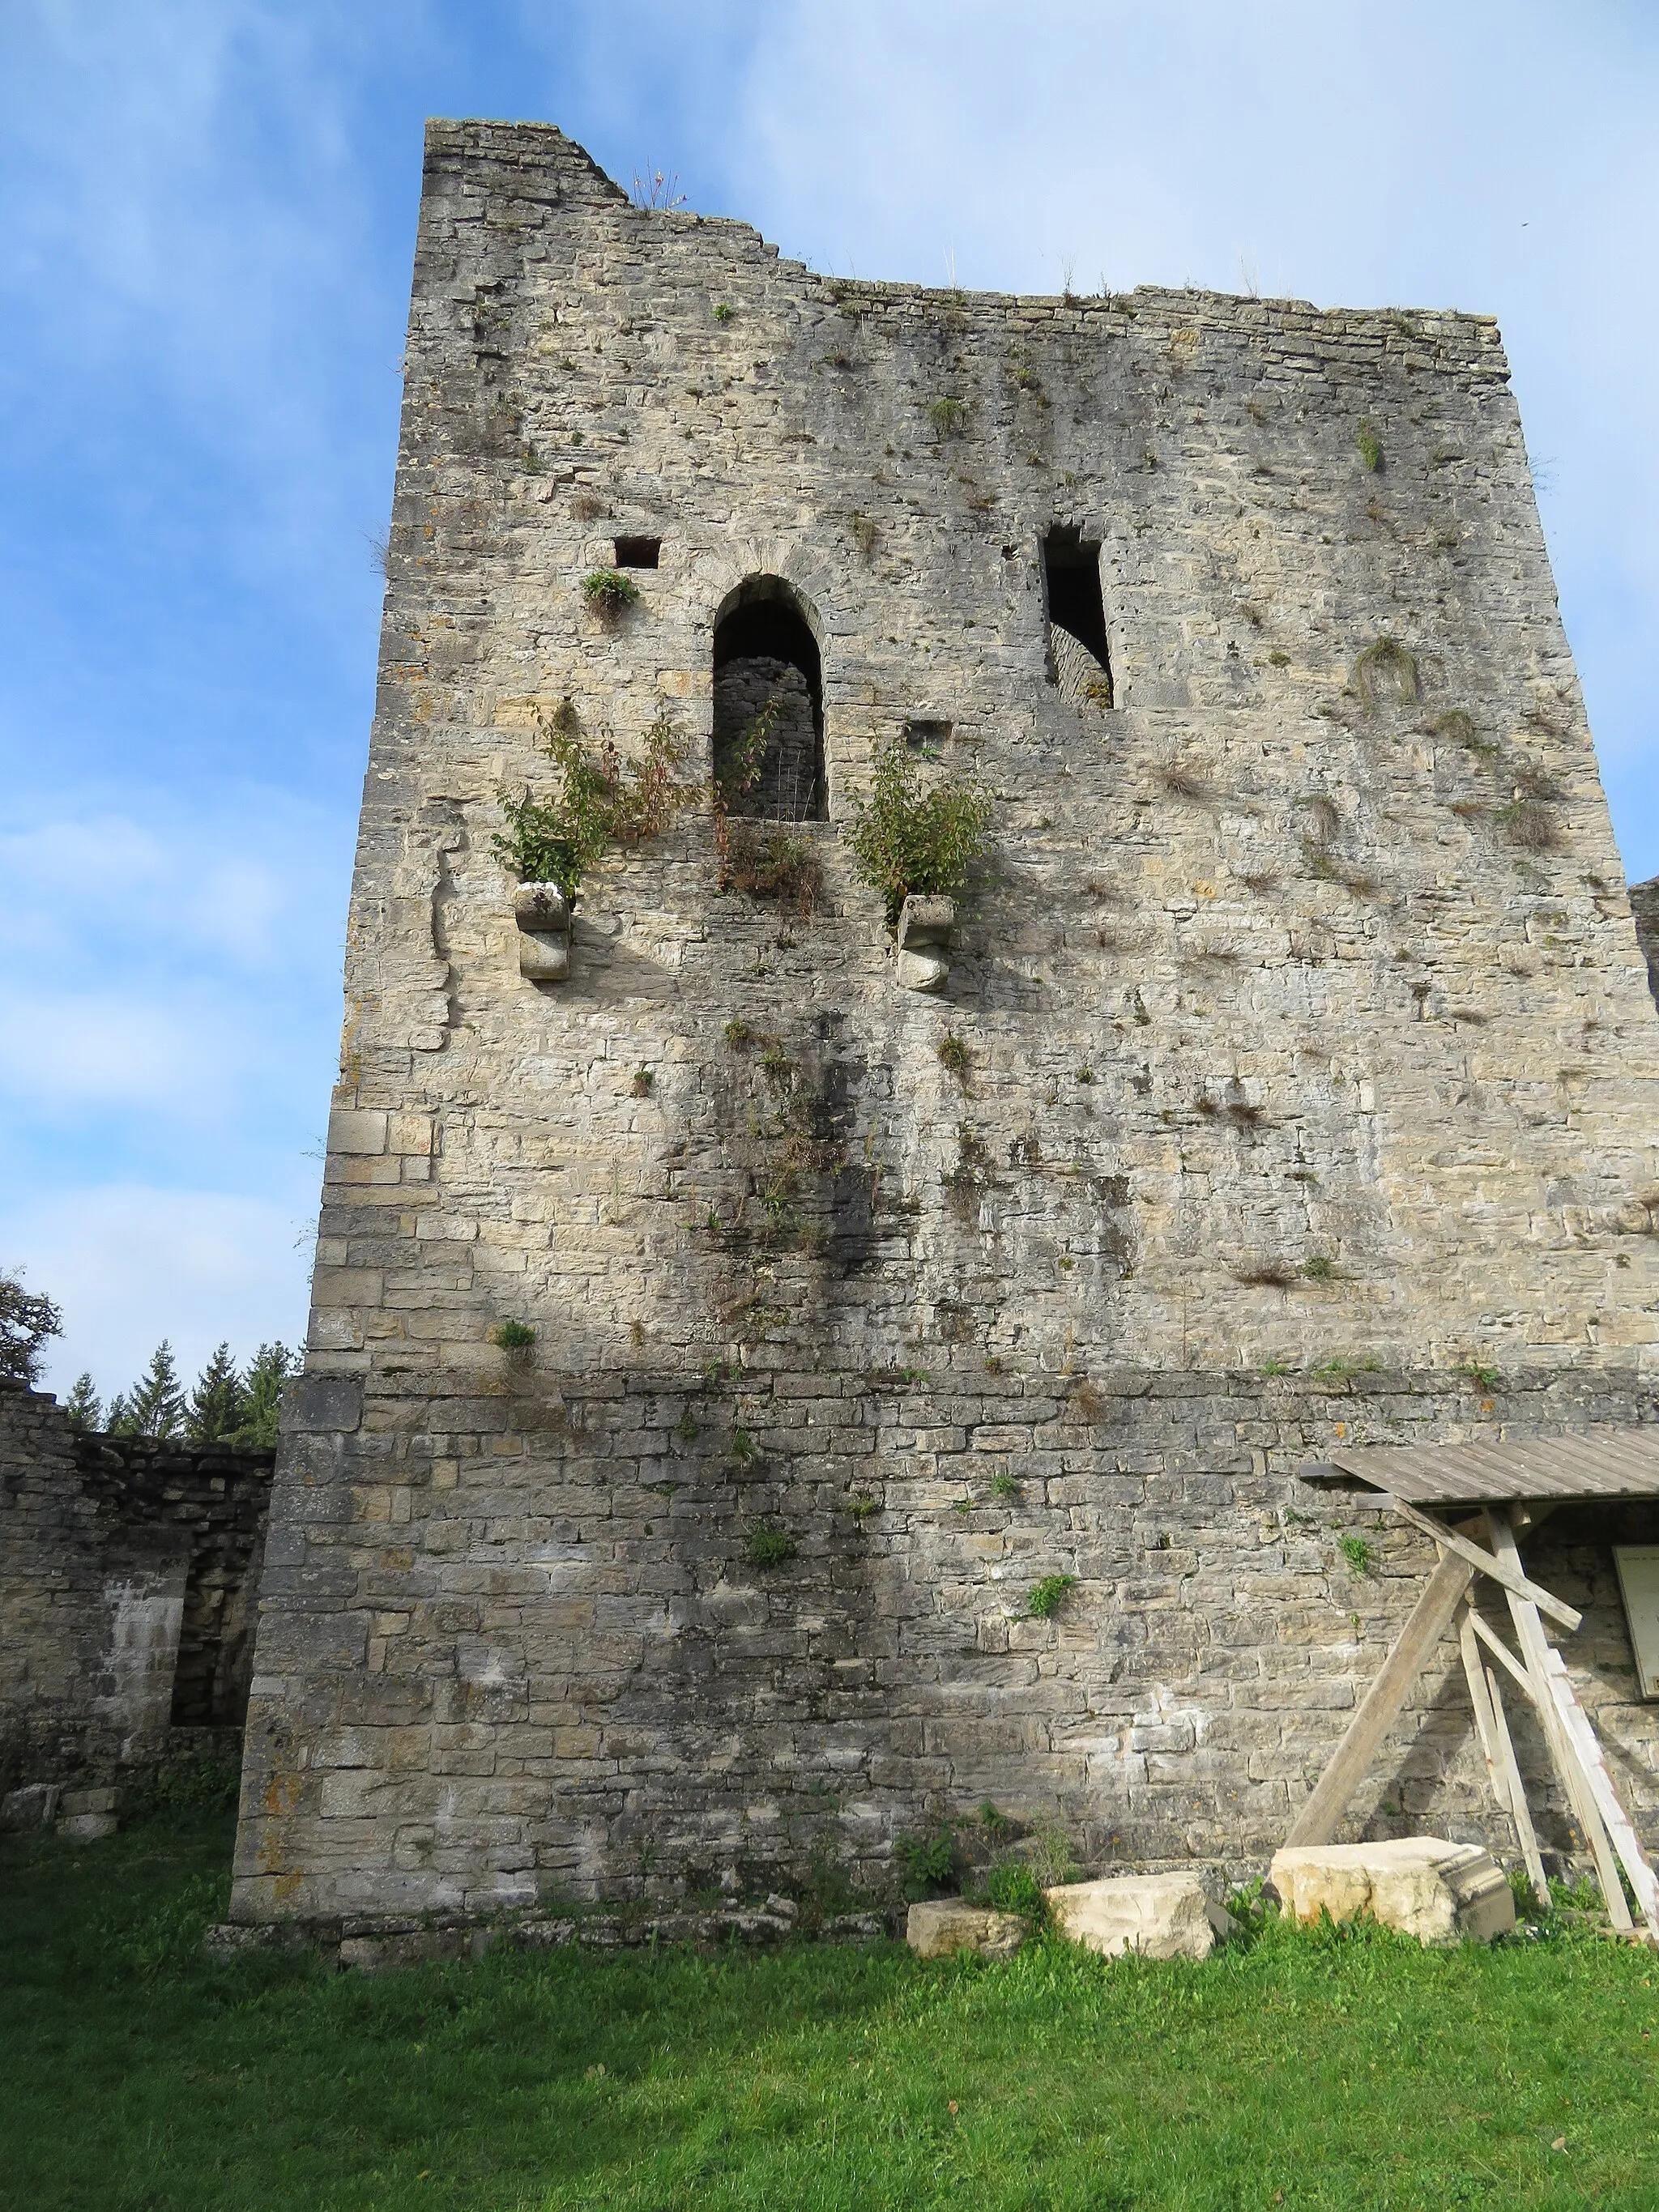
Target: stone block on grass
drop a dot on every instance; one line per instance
(1421, 1885)
(1158, 1916)
(948, 1925)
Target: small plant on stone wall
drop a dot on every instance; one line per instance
(956, 1057)
(765, 860)
(1087, 1403)
(766, 1545)
(1358, 1553)
(1370, 446)
(926, 1864)
(770, 862)
(947, 416)
(1049, 1855)
(723, 311)
(743, 1446)
(609, 594)
(1527, 824)
(603, 801)
(1386, 670)
(862, 1505)
(1005, 1487)
(1484, 1379)
(1048, 1595)
(910, 841)
(514, 1335)
(1011, 1887)
(644, 1082)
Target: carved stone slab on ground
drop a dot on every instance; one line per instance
(1426, 1887)
(1160, 1916)
(946, 1924)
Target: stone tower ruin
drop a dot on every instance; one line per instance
(1290, 1079)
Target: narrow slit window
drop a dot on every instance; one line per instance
(1079, 658)
(638, 552)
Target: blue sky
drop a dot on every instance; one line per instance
(209, 208)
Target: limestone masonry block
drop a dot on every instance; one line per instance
(355, 1130)
(1434, 1891)
(924, 930)
(543, 914)
(1160, 1916)
(947, 1925)
(926, 921)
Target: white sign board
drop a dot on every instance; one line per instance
(1638, 1583)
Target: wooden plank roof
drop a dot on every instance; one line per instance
(1594, 1462)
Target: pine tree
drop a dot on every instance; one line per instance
(273, 1365)
(155, 1406)
(218, 1405)
(81, 1405)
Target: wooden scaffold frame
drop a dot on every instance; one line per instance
(1515, 1487)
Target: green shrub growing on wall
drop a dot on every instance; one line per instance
(602, 801)
(609, 592)
(1048, 1595)
(908, 841)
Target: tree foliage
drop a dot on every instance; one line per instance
(156, 1405)
(910, 840)
(602, 801)
(218, 1403)
(26, 1321)
(270, 1368)
(83, 1405)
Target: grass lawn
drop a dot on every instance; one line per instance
(1293, 2069)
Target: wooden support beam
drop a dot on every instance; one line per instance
(1501, 1570)
(1529, 1631)
(1500, 1651)
(1582, 1730)
(1519, 1814)
(1430, 1618)
(1485, 1726)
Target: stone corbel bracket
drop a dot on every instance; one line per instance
(924, 943)
(543, 913)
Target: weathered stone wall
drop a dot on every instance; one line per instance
(516, 1644)
(129, 1586)
(1298, 1017)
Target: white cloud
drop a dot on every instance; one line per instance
(128, 1264)
(252, 881)
(97, 1049)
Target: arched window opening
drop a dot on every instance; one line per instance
(1076, 617)
(765, 650)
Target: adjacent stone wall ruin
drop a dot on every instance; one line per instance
(129, 1585)
(1296, 1030)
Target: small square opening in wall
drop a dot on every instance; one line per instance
(638, 552)
(924, 733)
